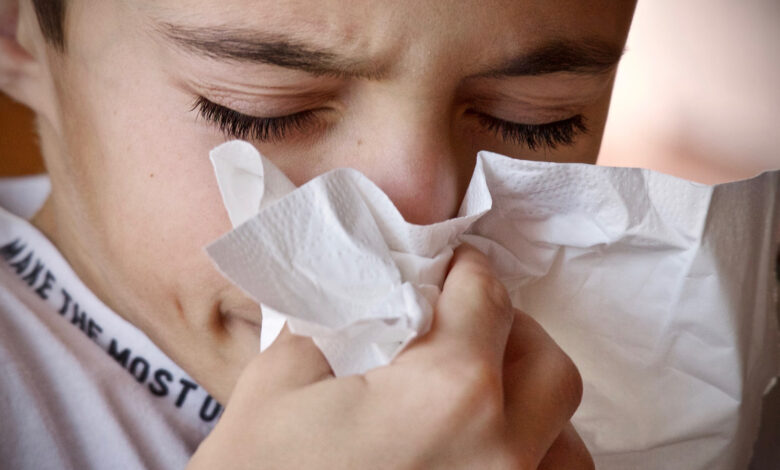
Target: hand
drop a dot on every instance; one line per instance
(486, 388)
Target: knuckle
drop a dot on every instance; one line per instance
(570, 455)
(479, 375)
(485, 292)
(514, 458)
(475, 390)
(580, 453)
(567, 380)
(573, 382)
(494, 292)
(587, 463)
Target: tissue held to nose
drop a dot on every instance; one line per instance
(371, 278)
(655, 286)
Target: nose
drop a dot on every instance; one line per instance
(410, 153)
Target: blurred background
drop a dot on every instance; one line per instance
(698, 90)
(18, 142)
(697, 96)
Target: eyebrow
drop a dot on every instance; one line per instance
(264, 48)
(587, 57)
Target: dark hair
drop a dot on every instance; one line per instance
(51, 18)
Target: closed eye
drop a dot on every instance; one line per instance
(261, 129)
(534, 136)
(274, 129)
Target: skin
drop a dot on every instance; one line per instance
(134, 198)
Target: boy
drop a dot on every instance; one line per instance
(131, 95)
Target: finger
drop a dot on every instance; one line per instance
(567, 452)
(541, 384)
(473, 313)
(291, 362)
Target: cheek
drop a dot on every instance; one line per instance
(162, 206)
(146, 186)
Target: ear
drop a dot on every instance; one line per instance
(24, 68)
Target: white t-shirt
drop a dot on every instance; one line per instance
(81, 388)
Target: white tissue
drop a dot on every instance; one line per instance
(345, 269)
(660, 289)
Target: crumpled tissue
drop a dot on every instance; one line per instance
(660, 289)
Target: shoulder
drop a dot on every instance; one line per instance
(67, 403)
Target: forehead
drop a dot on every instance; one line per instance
(381, 27)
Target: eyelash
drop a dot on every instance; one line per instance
(274, 129)
(534, 136)
(241, 126)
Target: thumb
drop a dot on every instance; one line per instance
(291, 362)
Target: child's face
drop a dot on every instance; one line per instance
(423, 86)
